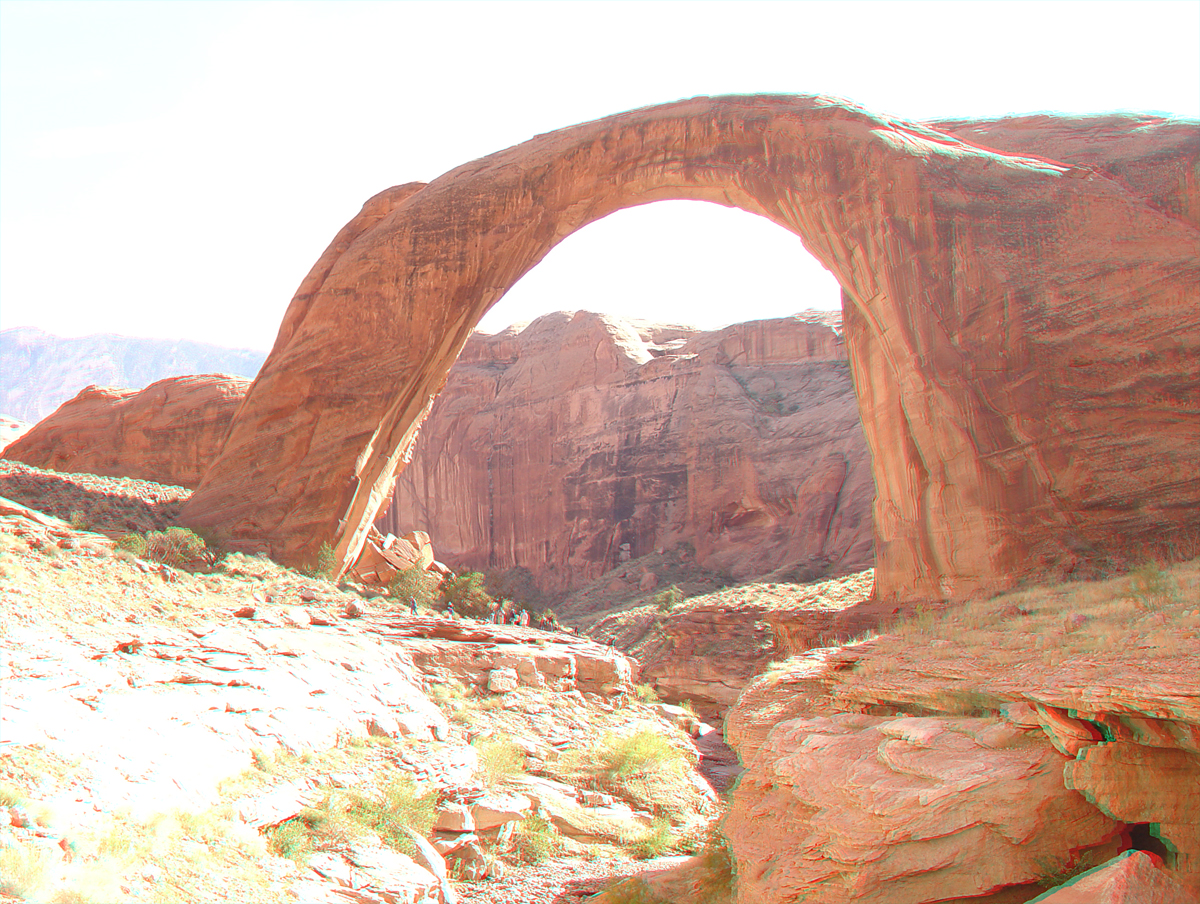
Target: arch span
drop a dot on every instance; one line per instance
(1022, 332)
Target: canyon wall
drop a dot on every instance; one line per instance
(583, 440)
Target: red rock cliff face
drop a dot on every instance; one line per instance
(1023, 332)
(168, 432)
(583, 440)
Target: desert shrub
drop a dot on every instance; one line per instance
(645, 693)
(534, 840)
(667, 598)
(499, 760)
(1053, 873)
(467, 594)
(175, 546)
(517, 584)
(623, 755)
(414, 583)
(628, 891)
(326, 565)
(716, 865)
(657, 840)
(401, 805)
(22, 870)
(343, 815)
(78, 520)
(1152, 587)
(292, 839)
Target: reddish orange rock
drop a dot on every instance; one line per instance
(583, 440)
(168, 432)
(1023, 331)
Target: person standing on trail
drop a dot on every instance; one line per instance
(450, 609)
(412, 605)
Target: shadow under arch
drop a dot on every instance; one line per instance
(959, 266)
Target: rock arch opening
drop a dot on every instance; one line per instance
(1001, 436)
(645, 422)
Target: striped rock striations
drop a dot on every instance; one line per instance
(1023, 330)
(584, 440)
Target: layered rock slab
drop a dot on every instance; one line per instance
(1106, 692)
(851, 807)
(1023, 331)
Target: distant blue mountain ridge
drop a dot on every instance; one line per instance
(40, 371)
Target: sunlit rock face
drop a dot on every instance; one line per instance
(583, 440)
(1022, 330)
(168, 432)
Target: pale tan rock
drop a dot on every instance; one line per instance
(502, 680)
(495, 810)
(168, 432)
(454, 817)
(1007, 442)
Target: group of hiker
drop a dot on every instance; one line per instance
(505, 612)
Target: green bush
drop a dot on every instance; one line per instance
(343, 815)
(401, 805)
(175, 546)
(667, 598)
(622, 755)
(326, 566)
(657, 840)
(534, 840)
(517, 584)
(646, 693)
(499, 760)
(466, 592)
(414, 583)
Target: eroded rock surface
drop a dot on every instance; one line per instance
(1022, 331)
(1082, 694)
(852, 807)
(168, 432)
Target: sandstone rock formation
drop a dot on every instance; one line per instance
(851, 807)
(584, 440)
(1023, 331)
(168, 432)
(883, 763)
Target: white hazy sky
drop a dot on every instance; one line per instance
(173, 169)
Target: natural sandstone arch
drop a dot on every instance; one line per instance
(1023, 332)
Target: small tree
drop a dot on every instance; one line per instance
(467, 595)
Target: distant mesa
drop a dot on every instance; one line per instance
(41, 371)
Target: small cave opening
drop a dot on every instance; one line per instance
(1144, 836)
